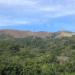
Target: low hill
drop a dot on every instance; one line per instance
(23, 34)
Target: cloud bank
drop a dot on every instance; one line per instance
(34, 11)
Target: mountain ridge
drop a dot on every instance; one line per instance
(42, 34)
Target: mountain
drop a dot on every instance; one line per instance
(23, 34)
(37, 56)
(63, 34)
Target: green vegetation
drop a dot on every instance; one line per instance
(37, 56)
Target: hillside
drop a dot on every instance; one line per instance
(23, 34)
(46, 54)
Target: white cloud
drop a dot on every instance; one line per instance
(35, 9)
(18, 2)
(49, 7)
(13, 22)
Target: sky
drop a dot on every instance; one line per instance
(37, 15)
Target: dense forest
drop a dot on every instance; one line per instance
(37, 56)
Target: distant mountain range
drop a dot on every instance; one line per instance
(23, 34)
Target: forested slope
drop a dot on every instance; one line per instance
(37, 56)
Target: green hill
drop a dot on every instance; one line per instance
(44, 54)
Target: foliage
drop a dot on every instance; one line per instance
(37, 56)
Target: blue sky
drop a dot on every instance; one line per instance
(37, 15)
